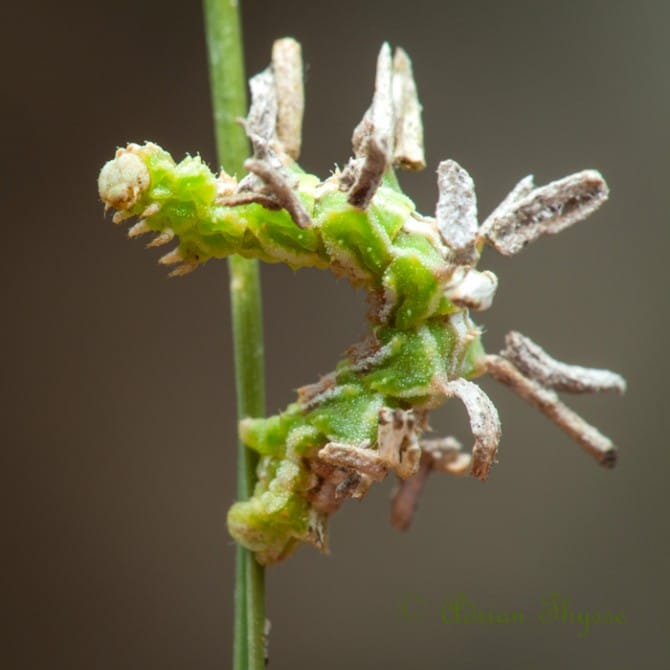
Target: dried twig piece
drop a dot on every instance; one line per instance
(247, 197)
(524, 216)
(373, 137)
(334, 485)
(381, 111)
(406, 496)
(397, 441)
(546, 400)
(281, 189)
(261, 126)
(456, 211)
(310, 395)
(369, 172)
(261, 121)
(484, 423)
(408, 152)
(287, 69)
(536, 363)
(447, 455)
(518, 193)
(360, 459)
(442, 455)
(392, 429)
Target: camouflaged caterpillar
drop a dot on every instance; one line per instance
(367, 418)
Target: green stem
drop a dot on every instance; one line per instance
(228, 85)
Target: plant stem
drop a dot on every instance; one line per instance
(228, 86)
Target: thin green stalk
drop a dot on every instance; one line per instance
(228, 85)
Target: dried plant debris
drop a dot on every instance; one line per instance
(281, 189)
(536, 363)
(456, 212)
(408, 153)
(369, 418)
(527, 214)
(287, 70)
(390, 131)
(546, 400)
(484, 423)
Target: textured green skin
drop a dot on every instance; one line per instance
(371, 249)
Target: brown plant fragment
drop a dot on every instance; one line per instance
(360, 459)
(309, 394)
(526, 214)
(261, 121)
(456, 211)
(408, 152)
(441, 455)
(546, 400)
(397, 442)
(536, 363)
(248, 197)
(334, 485)
(407, 493)
(484, 423)
(280, 187)
(287, 69)
(373, 138)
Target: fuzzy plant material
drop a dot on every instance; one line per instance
(368, 417)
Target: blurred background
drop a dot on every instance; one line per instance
(118, 423)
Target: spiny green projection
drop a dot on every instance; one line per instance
(366, 418)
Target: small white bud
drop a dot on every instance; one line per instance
(475, 290)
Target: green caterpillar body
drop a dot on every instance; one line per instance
(366, 418)
(420, 339)
(388, 248)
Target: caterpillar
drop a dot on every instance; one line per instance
(368, 417)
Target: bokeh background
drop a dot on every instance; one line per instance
(118, 427)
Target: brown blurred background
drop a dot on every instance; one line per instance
(118, 402)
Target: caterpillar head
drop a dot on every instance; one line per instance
(124, 180)
(144, 181)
